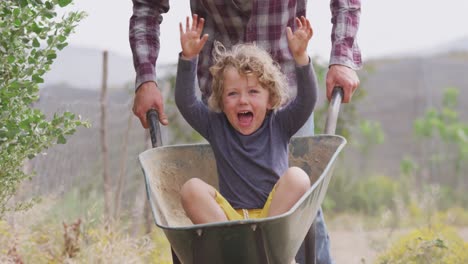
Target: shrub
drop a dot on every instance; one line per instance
(439, 244)
(24, 131)
(371, 195)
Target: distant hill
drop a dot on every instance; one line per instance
(458, 45)
(82, 68)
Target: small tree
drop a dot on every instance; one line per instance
(25, 131)
(370, 134)
(444, 127)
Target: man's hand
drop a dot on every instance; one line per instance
(149, 97)
(340, 75)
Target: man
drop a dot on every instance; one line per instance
(230, 22)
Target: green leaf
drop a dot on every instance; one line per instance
(23, 3)
(37, 79)
(17, 22)
(36, 43)
(36, 29)
(61, 38)
(62, 45)
(61, 139)
(50, 14)
(11, 59)
(51, 56)
(63, 3)
(49, 5)
(15, 85)
(6, 11)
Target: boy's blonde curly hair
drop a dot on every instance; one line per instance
(247, 59)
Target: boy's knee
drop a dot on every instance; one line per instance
(298, 178)
(190, 189)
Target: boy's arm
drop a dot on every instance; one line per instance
(192, 109)
(296, 113)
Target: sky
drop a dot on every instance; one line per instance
(388, 27)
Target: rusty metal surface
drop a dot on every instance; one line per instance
(269, 240)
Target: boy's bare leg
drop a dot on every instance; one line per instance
(289, 189)
(198, 200)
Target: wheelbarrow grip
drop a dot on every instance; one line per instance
(152, 117)
(333, 110)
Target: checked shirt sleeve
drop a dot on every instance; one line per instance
(144, 37)
(345, 20)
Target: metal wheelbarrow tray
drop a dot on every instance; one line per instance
(269, 240)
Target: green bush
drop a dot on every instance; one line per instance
(374, 194)
(30, 35)
(370, 195)
(439, 244)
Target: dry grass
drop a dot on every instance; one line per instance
(35, 237)
(30, 237)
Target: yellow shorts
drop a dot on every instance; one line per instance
(241, 214)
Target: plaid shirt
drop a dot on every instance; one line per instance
(230, 22)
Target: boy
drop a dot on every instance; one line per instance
(245, 125)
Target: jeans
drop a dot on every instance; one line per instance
(322, 241)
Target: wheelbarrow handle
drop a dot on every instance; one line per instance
(152, 117)
(330, 127)
(333, 110)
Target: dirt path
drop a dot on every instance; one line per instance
(358, 247)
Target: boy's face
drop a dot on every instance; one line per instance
(245, 103)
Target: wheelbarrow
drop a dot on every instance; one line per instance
(274, 240)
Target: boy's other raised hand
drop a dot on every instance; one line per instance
(190, 40)
(299, 40)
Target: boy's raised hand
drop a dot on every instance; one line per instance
(190, 40)
(299, 40)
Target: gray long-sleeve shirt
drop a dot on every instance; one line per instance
(248, 165)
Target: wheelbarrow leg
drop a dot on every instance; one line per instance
(316, 246)
(175, 259)
(309, 246)
(306, 253)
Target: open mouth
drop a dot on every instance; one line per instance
(245, 118)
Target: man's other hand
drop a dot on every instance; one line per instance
(343, 76)
(149, 97)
